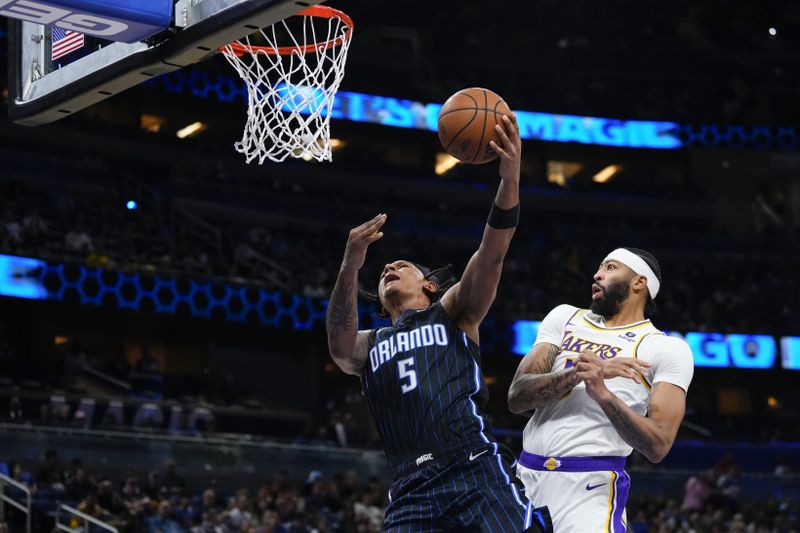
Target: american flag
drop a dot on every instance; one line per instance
(65, 41)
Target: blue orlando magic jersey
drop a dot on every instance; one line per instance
(424, 386)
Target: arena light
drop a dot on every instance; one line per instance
(336, 144)
(151, 123)
(559, 172)
(607, 174)
(191, 130)
(444, 163)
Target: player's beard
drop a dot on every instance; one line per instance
(611, 302)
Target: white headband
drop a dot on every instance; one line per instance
(638, 265)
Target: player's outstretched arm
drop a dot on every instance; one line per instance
(535, 384)
(347, 345)
(469, 300)
(651, 435)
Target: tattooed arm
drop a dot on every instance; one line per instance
(347, 345)
(651, 435)
(536, 384)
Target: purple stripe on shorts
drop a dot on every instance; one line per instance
(572, 464)
(622, 489)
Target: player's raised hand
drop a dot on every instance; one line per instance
(359, 240)
(590, 370)
(510, 147)
(625, 367)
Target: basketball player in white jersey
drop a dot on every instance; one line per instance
(603, 381)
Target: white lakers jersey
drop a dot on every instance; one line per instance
(575, 425)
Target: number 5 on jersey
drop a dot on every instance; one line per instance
(406, 371)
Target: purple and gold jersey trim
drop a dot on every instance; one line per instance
(619, 328)
(646, 383)
(571, 464)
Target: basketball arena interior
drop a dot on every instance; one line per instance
(164, 364)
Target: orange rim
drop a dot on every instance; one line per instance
(320, 11)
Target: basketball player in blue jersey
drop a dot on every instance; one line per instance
(603, 381)
(422, 379)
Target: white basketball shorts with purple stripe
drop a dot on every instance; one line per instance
(583, 494)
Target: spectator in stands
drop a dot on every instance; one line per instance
(783, 468)
(314, 491)
(34, 228)
(163, 522)
(171, 479)
(211, 523)
(350, 483)
(77, 240)
(240, 510)
(729, 488)
(108, 499)
(15, 471)
(287, 505)
(269, 521)
(136, 505)
(153, 488)
(49, 473)
(639, 523)
(338, 429)
(61, 416)
(209, 503)
(696, 492)
(89, 506)
(15, 409)
(186, 513)
(79, 486)
(12, 236)
(71, 471)
(44, 413)
(130, 490)
(366, 510)
(737, 524)
(298, 522)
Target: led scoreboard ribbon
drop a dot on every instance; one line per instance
(717, 350)
(24, 277)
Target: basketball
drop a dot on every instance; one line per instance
(466, 124)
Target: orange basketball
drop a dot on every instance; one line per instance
(466, 124)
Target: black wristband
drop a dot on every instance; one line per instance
(500, 218)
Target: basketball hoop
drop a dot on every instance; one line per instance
(290, 88)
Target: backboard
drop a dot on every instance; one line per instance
(54, 72)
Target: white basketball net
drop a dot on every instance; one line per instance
(290, 89)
